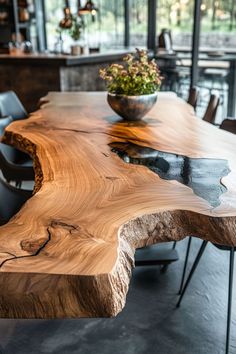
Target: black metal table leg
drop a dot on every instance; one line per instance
(199, 255)
(230, 291)
(185, 265)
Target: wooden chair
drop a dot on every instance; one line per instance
(15, 199)
(193, 96)
(211, 109)
(229, 125)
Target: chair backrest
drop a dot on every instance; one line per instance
(12, 200)
(4, 122)
(165, 40)
(229, 125)
(211, 110)
(3, 166)
(10, 105)
(15, 172)
(193, 96)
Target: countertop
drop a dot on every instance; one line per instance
(63, 59)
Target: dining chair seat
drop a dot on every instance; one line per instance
(153, 255)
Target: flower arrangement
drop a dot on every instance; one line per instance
(138, 75)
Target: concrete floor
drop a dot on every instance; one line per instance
(149, 323)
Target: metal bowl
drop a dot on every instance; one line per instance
(131, 108)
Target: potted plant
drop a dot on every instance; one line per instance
(75, 32)
(132, 87)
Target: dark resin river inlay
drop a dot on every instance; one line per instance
(203, 175)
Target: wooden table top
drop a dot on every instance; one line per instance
(103, 188)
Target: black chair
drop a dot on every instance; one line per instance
(10, 105)
(230, 288)
(153, 255)
(14, 199)
(14, 172)
(10, 170)
(228, 125)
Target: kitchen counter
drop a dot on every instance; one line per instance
(63, 59)
(32, 76)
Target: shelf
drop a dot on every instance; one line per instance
(12, 25)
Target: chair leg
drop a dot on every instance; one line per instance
(230, 291)
(185, 265)
(195, 264)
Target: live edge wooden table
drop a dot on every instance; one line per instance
(103, 188)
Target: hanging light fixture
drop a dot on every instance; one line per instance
(66, 22)
(89, 8)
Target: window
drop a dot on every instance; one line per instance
(218, 25)
(54, 13)
(104, 29)
(178, 17)
(138, 22)
(111, 23)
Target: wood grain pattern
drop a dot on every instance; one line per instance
(202, 175)
(69, 251)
